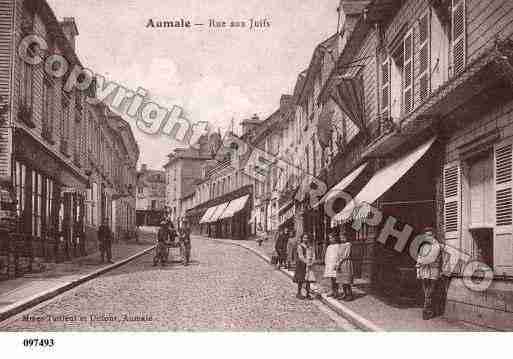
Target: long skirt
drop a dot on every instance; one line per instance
(345, 273)
(302, 274)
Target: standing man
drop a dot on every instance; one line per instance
(185, 243)
(161, 250)
(428, 270)
(105, 240)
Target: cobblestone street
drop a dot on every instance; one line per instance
(224, 288)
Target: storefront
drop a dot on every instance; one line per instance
(50, 201)
(403, 192)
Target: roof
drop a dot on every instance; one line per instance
(54, 26)
(189, 194)
(315, 64)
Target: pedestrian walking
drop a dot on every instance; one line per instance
(428, 270)
(345, 268)
(281, 247)
(303, 274)
(105, 241)
(332, 260)
(184, 238)
(292, 250)
(162, 250)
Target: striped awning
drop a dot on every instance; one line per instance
(218, 212)
(234, 207)
(342, 185)
(206, 216)
(381, 182)
(347, 92)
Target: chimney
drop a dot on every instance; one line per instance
(144, 167)
(285, 101)
(250, 124)
(69, 27)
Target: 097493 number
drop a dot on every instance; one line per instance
(36, 342)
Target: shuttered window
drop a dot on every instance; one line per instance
(503, 242)
(482, 193)
(385, 89)
(408, 72)
(458, 36)
(424, 56)
(452, 200)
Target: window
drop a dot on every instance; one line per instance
(452, 200)
(20, 174)
(424, 56)
(25, 85)
(503, 241)
(408, 73)
(37, 198)
(481, 215)
(458, 36)
(65, 117)
(48, 108)
(94, 205)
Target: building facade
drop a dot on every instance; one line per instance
(47, 143)
(182, 170)
(427, 83)
(151, 196)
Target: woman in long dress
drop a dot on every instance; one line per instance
(304, 267)
(345, 272)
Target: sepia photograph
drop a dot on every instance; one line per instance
(197, 167)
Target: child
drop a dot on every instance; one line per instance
(332, 262)
(345, 273)
(304, 273)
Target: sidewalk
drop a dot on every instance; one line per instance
(368, 310)
(21, 293)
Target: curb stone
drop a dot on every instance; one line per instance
(30, 302)
(341, 309)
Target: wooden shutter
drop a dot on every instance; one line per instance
(408, 72)
(385, 88)
(482, 205)
(503, 241)
(424, 56)
(458, 36)
(452, 200)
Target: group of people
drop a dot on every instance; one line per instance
(166, 237)
(300, 254)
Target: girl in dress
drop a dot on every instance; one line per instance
(345, 272)
(332, 262)
(304, 267)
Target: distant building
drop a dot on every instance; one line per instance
(182, 170)
(151, 196)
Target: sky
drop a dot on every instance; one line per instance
(214, 74)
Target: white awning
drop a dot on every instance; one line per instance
(207, 215)
(234, 206)
(383, 180)
(218, 212)
(342, 185)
